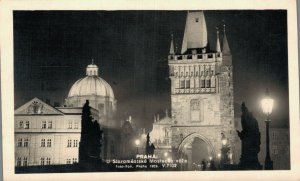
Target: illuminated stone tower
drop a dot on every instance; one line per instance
(201, 93)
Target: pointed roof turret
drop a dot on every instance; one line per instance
(195, 32)
(226, 49)
(218, 47)
(172, 52)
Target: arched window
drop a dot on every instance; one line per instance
(195, 110)
(187, 84)
(202, 82)
(182, 82)
(213, 81)
(207, 81)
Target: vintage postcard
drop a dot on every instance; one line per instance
(150, 90)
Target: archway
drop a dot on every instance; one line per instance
(196, 149)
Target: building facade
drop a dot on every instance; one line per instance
(201, 94)
(45, 135)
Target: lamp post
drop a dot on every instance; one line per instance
(137, 143)
(267, 106)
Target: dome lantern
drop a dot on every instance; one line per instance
(92, 69)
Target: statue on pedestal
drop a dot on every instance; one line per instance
(250, 138)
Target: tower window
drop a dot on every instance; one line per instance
(182, 82)
(197, 20)
(202, 83)
(187, 85)
(195, 110)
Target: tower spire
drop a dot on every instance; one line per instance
(195, 32)
(172, 52)
(218, 47)
(226, 49)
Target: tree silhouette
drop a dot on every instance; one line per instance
(91, 136)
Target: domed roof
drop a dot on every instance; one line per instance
(92, 84)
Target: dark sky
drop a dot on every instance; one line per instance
(52, 49)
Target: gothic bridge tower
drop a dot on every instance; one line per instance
(201, 93)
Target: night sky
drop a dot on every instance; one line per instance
(53, 48)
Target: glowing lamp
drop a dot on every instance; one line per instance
(267, 104)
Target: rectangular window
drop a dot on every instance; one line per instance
(25, 161)
(75, 143)
(49, 124)
(68, 160)
(19, 144)
(182, 82)
(44, 124)
(48, 161)
(76, 125)
(48, 142)
(21, 124)
(42, 161)
(27, 125)
(26, 142)
(74, 160)
(70, 125)
(187, 84)
(42, 142)
(69, 143)
(19, 161)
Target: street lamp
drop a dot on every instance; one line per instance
(137, 143)
(166, 154)
(267, 106)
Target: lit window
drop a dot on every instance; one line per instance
(43, 124)
(27, 125)
(75, 143)
(68, 160)
(70, 124)
(48, 142)
(49, 124)
(76, 125)
(69, 143)
(19, 142)
(74, 160)
(25, 161)
(26, 142)
(21, 124)
(42, 142)
(42, 161)
(48, 161)
(19, 161)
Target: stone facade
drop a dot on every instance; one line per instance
(201, 93)
(45, 135)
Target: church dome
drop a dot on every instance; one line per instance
(92, 84)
